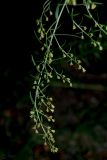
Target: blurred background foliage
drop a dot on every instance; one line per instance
(81, 112)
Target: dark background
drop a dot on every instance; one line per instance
(17, 43)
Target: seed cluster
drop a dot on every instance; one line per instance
(43, 109)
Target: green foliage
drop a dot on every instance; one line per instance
(57, 43)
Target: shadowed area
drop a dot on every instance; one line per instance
(81, 112)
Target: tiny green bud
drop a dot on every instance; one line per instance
(93, 6)
(47, 19)
(82, 37)
(100, 48)
(51, 13)
(74, 27)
